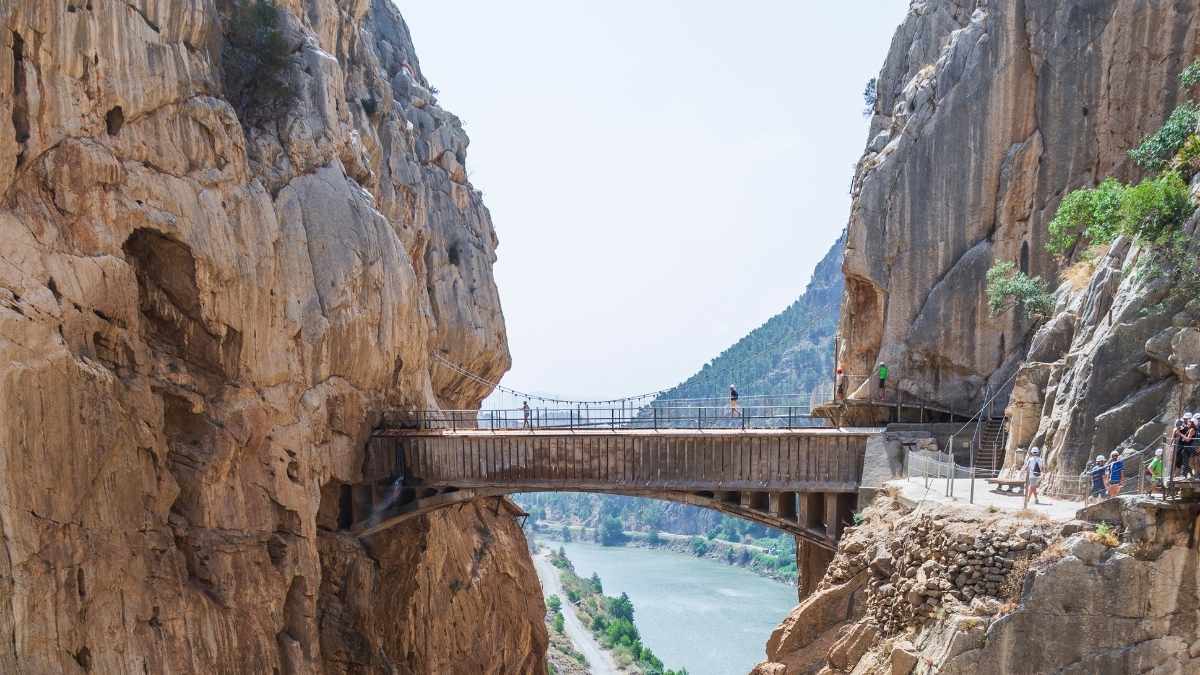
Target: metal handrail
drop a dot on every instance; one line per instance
(986, 404)
(590, 418)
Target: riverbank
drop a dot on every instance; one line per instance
(709, 617)
(601, 627)
(760, 560)
(570, 641)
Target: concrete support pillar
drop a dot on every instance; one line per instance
(811, 563)
(812, 510)
(833, 516)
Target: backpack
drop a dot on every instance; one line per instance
(1037, 467)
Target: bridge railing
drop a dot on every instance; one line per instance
(657, 417)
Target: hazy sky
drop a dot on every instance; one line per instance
(663, 175)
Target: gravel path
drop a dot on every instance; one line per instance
(599, 661)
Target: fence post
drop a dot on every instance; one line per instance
(972, 473)
(655, 409)
(790, 417)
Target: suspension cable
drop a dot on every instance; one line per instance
(459, 370)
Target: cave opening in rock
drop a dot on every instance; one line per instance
(20, 105)
(169, 300)
(114, 120)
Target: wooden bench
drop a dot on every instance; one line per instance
(1007, 483)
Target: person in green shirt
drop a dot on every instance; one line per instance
(1155, 469)
(883, 375)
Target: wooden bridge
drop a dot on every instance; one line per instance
(801, 480)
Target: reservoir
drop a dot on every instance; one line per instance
(699, 614)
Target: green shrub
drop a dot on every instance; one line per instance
(699, 546)
(611, 532)
(1091, 212)
(1157, 148)
(1187, 160)
(558, 623)
(254, 63)
(1155, 207)
(1190, 76)
(1008, 287)
(554, 603)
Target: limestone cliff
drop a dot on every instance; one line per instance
(201, 317)
(958, 590)
(987, 112)
(1114, 366)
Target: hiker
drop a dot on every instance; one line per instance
(1115, 471)
(841, 384)
(1193, 439)
(733, 401)
(883, 375)
(1096, 472)
(1155, 471)
(525, 412)
(1187, 444)
(1033, 474)
(1177, 435)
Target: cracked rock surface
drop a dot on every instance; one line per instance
(987, 113)
(201, 320)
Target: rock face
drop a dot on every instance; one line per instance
(1112, 369)
(896, 598)
(987, 112)
(200, 321)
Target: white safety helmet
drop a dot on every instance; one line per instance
(1099, 458)
(1158, 452)
(1035, 451)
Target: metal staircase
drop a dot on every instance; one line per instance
(991, 437)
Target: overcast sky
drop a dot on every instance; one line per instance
(663, 174)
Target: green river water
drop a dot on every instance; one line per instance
(711, 618)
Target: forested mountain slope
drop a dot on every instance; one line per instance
(791, 353)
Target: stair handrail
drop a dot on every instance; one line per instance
(978, 413)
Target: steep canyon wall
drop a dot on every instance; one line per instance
(201, 316)
(987, 113)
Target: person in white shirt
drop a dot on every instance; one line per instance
(1033, 474)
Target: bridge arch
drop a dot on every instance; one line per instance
(802, 481)
(817, 518)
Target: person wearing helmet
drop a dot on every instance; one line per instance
(1096, 473)
(1114, 473)
(882, 370)
(1177, 435)
(733, 401)
(1154, 469)
(842, 384)
(1033, 474)
(1187, 446)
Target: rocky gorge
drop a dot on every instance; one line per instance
(206, 302)
(989, 114)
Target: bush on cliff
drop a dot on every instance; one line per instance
(1008, 287)
(1159, 147)
(1153, 209)
(1089, 212)
(254, 63)
(1149, 212)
